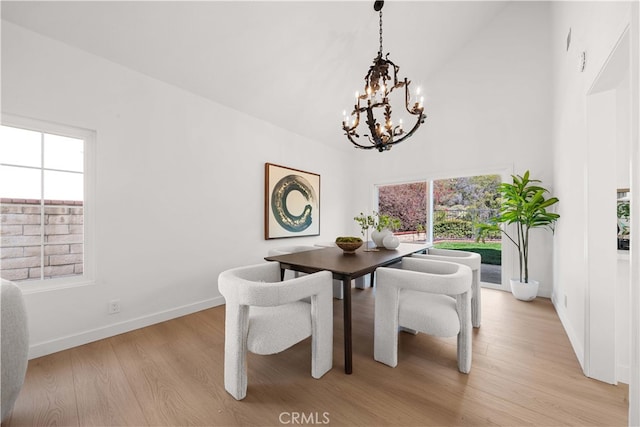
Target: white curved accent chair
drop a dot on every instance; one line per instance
(266, 316)
(471, 260)
(14, 345)
(433, 297)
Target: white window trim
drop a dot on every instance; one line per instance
(88, 276)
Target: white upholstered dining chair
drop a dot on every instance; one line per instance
(14, 345)
(266, 316)
(432, 297)
(471, 260)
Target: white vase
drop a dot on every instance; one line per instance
(378, 236)
(524, 291)
(391, 242)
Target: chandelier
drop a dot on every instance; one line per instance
(374, 105)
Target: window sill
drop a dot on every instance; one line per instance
(33, 287)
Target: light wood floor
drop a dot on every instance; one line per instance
(524, 373)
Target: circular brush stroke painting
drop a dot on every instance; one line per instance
(279, 205)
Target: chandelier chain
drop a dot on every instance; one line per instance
(380, 51)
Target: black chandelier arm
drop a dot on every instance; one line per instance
(378, 144)
(412, 131)
(358, 145)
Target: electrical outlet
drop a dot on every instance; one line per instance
(114, 306)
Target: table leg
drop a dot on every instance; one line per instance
(346, 299)
(282, 271)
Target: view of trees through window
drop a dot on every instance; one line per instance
(457, 205)
(408, 202)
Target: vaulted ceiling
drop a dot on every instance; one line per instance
(295, 64)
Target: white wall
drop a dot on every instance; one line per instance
(488, 111)
(595, 28)
(175, 160)
(623, 173)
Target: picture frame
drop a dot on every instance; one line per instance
(291, 202)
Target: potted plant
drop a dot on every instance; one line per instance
(523, 204)
(384, 226)
(365, 222)
(381, 224)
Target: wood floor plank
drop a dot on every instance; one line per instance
(48, 396)
(164, 396)
(524, 372)
(102, 390)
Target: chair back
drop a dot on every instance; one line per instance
(259, 285)
(442, 277)
(471, 259)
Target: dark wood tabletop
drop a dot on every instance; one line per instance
(345, 267)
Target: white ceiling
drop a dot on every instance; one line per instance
(295, 64)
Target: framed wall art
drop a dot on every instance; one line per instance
(291, 202)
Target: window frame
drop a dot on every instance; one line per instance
(509, 253)
(89, 137)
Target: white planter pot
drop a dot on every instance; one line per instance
(378, 237)
(391, 242)
(524, 291)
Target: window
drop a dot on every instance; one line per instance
(445, 212)
(44, 196)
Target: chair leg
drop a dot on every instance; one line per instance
(321, 333)
(476, 305)
(337, 289)
(235, 350)
(465, 335)
(385, 339)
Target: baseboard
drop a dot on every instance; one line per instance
(85, 337)
(622, 372)
(577, 345)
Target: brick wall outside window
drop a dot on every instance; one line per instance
(22, 239)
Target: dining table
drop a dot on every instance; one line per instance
(346, 267)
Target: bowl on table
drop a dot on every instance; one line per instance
(349, 244)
